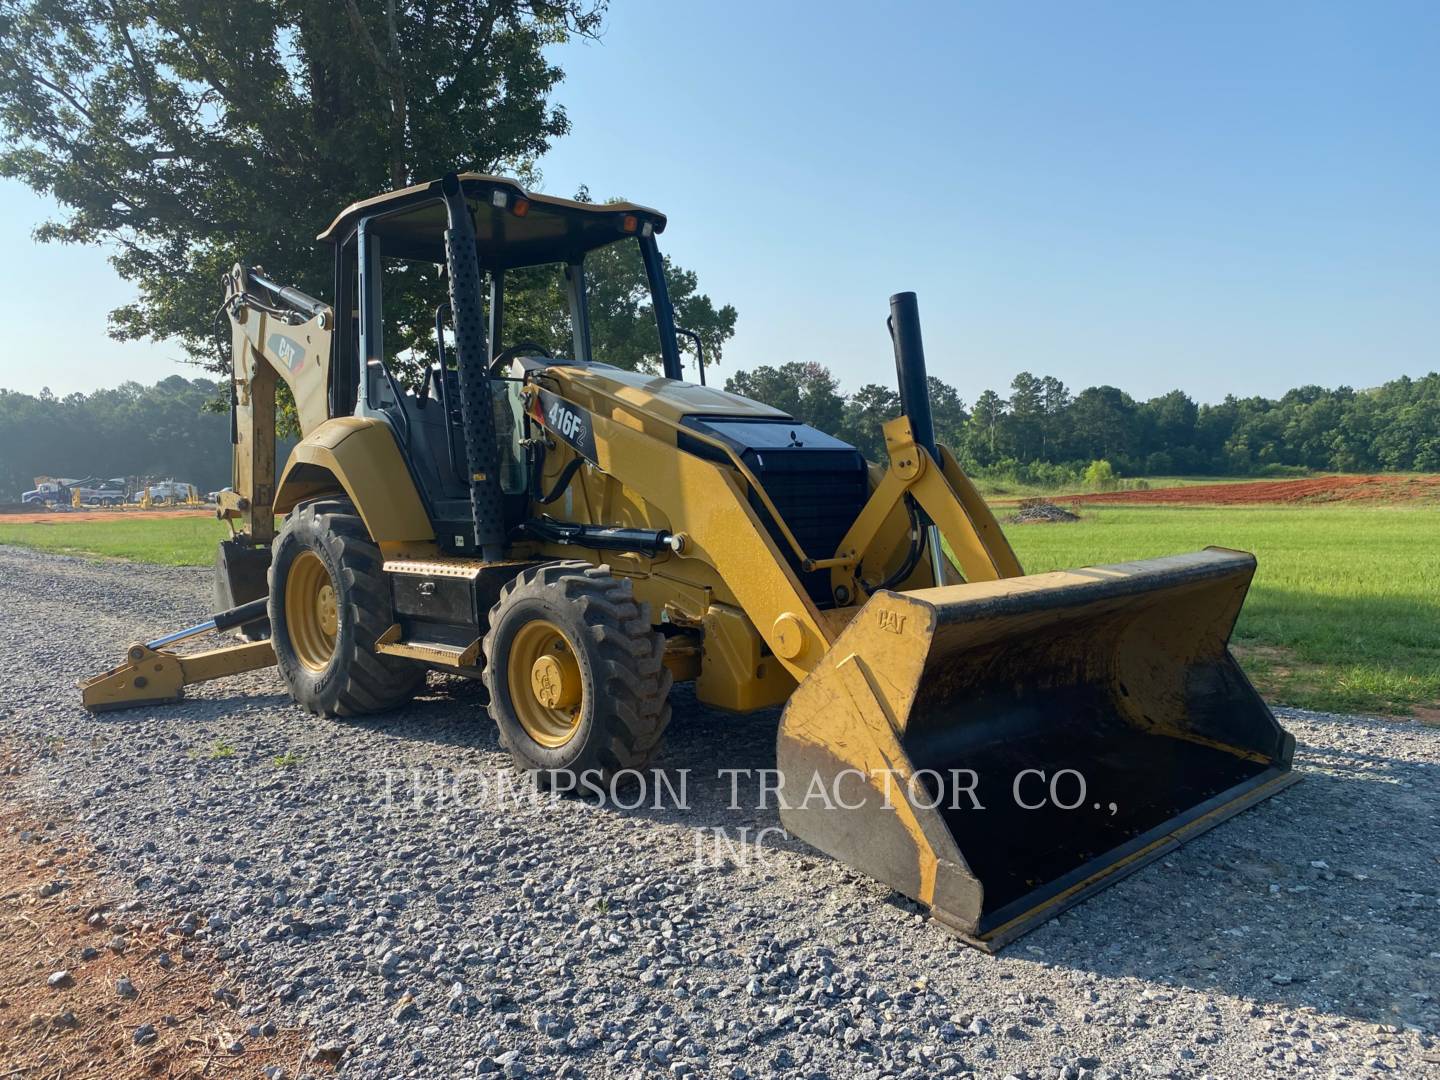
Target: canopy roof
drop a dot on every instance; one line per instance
(411, 223)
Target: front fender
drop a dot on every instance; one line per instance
(357, 455)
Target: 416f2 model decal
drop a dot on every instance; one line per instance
(570, 422)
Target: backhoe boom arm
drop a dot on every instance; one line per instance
(275, 332)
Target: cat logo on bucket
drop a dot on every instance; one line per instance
(892, 621)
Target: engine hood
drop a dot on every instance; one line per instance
(668, 399)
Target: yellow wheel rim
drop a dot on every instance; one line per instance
(311, 613)
(545, 685)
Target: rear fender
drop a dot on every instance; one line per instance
(357, 455)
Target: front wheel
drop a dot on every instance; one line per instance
(576, 673)
(328, 606)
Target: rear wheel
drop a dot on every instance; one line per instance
(328, 606)
(575, 672)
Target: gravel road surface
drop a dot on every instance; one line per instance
(387, 883)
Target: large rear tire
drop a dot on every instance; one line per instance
(576, 673)
(328, 605)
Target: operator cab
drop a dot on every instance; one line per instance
(393, 318)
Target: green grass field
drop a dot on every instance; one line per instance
(187, 541)
(1344, 614)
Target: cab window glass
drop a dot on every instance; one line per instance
(410, 292)
(537, 309)
(622, 319)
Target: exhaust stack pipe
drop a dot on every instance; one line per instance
(914, 385)
(473, 361)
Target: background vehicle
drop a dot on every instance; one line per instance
(95, 492)
(166, 491)
(579, 536)
(91, 490)
(48, 493)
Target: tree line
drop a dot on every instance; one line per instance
(1040, 430)
(161, 431)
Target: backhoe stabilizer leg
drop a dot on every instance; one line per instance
(153, 676)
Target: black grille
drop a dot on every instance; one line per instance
(818, 483)
(819, 506)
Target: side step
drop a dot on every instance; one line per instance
(429, 652)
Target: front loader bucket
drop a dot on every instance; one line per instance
(1001, 750)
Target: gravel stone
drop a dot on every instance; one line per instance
(400, 868)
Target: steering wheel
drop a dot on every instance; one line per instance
(520, 348)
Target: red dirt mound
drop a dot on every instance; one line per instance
(1314, 489)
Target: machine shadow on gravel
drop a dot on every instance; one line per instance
(1242, 911)
(216, 704)
(452, 713)
(1296, 903)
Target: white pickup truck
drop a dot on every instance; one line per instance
(173, 490)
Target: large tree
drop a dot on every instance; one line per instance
(187, 136)
(865, 416)
(984, 434)
(806, 390)
(948, 410)
(1055, 402)
(1102, 422)
(1027, 415)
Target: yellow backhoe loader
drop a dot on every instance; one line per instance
(994, 745)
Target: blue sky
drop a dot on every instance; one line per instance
(1222, 197)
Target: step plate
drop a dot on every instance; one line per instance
(429, 652)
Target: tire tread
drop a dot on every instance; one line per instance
(369, 681)
(632, 684)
